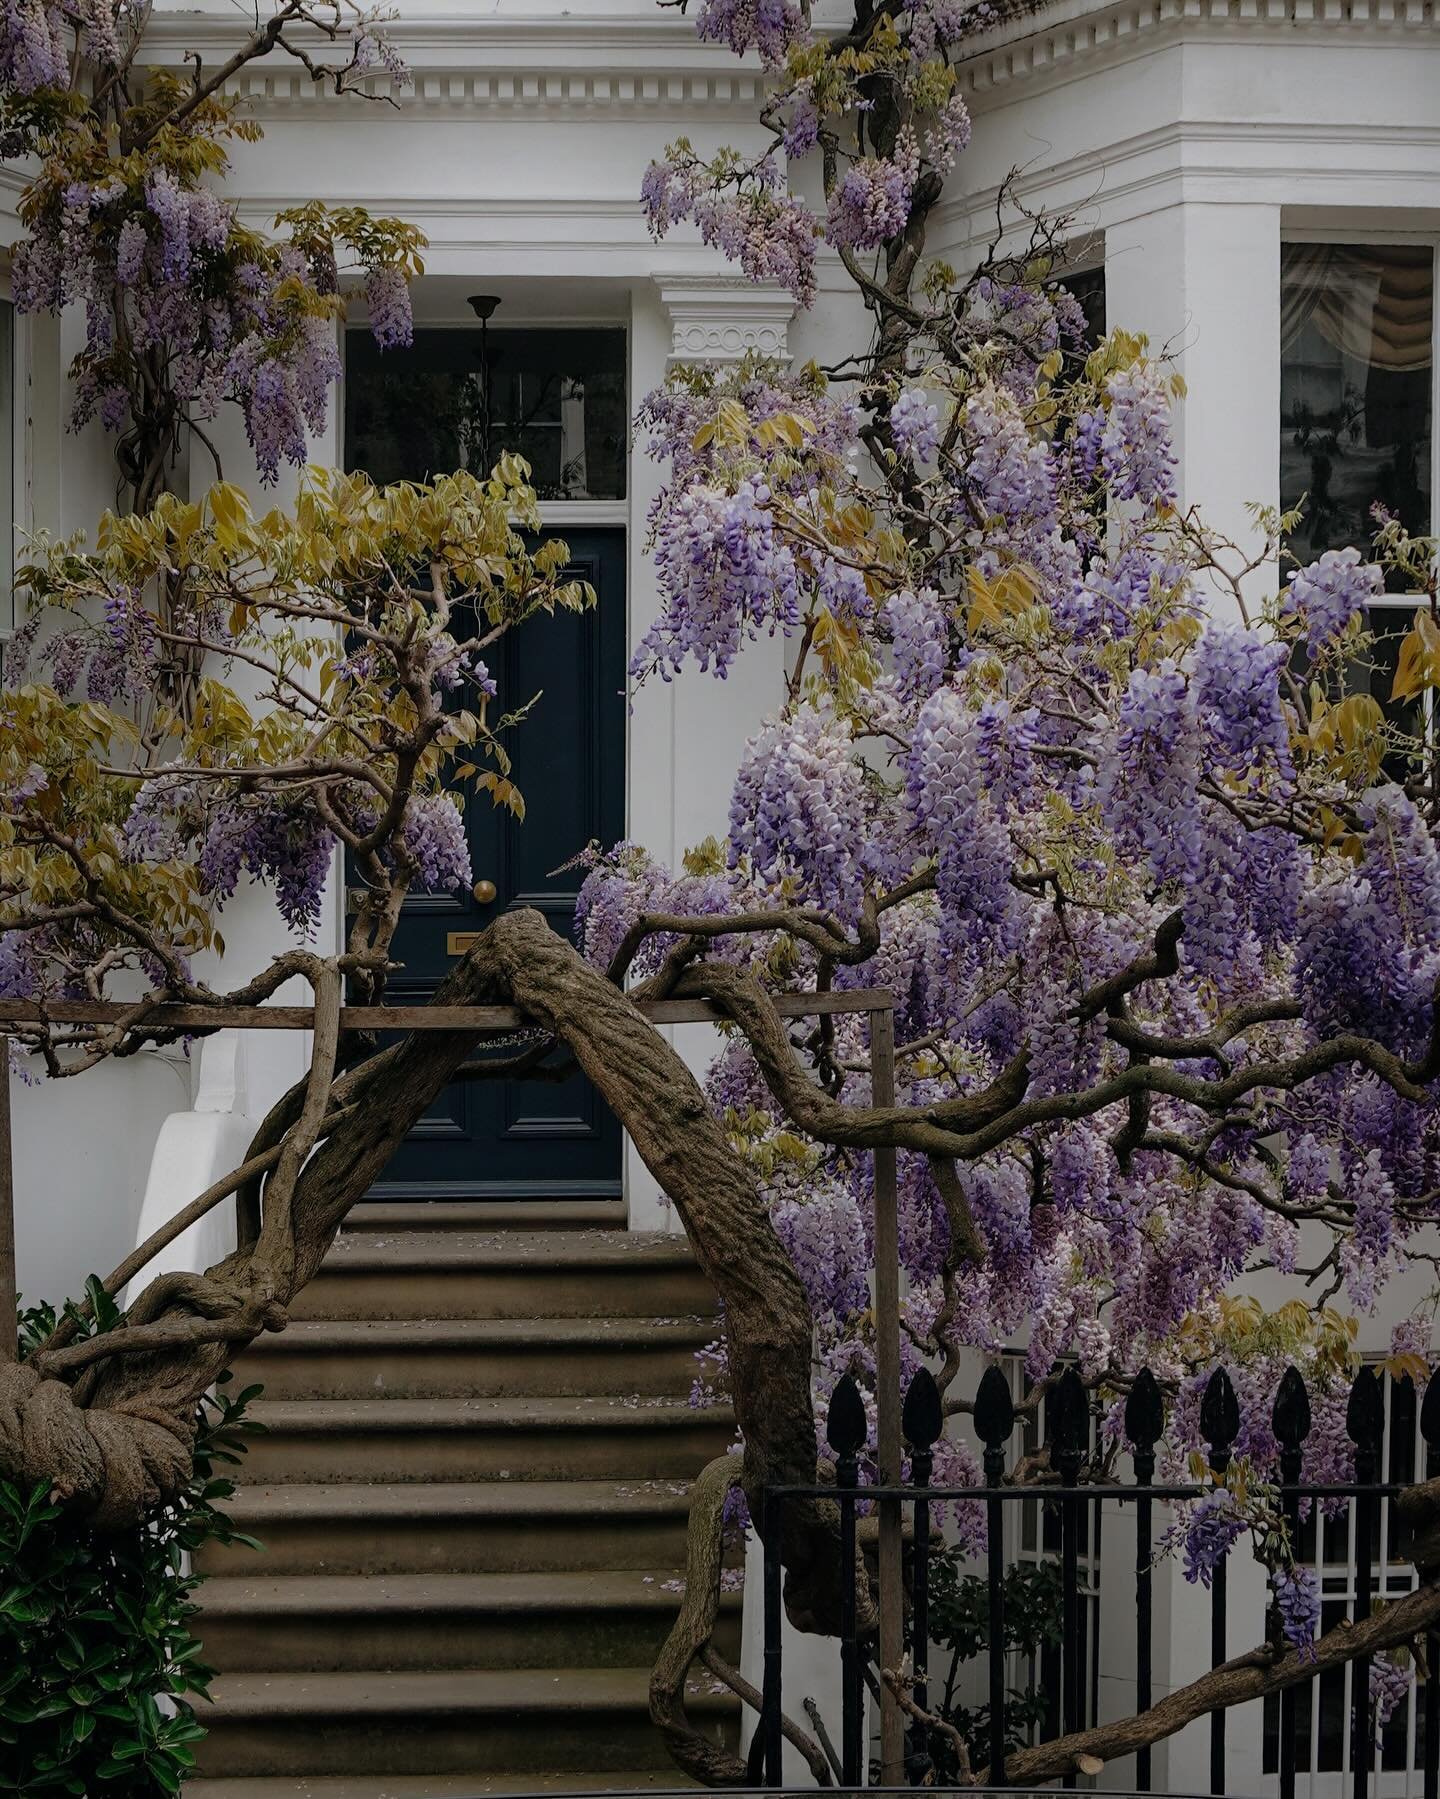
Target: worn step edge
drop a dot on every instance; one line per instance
(485, 1215)
(410, 1698)
(319, 1336)
(434, 1786)
(397, 1502)
(529, 1250)
(340, 1596)
(401, 1417)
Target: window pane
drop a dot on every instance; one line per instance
(1357, 345)
(557, 398)
(1088, 287)
(1357, 331)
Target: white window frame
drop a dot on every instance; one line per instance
(20, 514)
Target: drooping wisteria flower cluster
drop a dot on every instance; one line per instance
(1332, 593)
(915, 424)
(724, 576)
(773, 27)
(743, 210)
(185, 307)
(798, 794)
(877, 150)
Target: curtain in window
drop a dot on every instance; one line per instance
(1372, 304)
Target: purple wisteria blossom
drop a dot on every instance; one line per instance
(1135, 447)
(1297, 1598)
(915, 424)
(798, 809)
(725, 574)
(1332, 592)
(772, 27)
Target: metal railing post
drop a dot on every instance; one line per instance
(888, 1401)
(1365, 1425)
(994, 1421)
(9, 1292)
(1144, 1426)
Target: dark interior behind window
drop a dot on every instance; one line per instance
(555, 397)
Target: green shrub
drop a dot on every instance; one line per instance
(960, 1623)
(98, 1668)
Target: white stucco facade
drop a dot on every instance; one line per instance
(1187, 138)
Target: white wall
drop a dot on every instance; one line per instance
(1188, 138)
(82, 1146)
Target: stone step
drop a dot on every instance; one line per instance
(330, 1623)
(507, 1274)
(584, 1720)
(486, 1214)
(439, 1786)
(455, 1527)
(483, 1439)
(368, 1358)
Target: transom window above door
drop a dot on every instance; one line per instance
(460, 398)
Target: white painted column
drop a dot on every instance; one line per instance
(1202, 280)
(720, 319)
(686, 736)
(650, 746)
(253, 931)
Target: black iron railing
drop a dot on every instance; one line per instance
(1069, 1498)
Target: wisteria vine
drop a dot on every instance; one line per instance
(1097, 794)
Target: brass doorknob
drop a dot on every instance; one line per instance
(484, 891)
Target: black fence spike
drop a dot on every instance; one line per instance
(922, 1417)
(1219, 1414)
(1144, 1412)
(845, 1425)
(1068, 1416)
(1365, 1413)
(1290, 1419)
(994, 1408)
(1430, 1413)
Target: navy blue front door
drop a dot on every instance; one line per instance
(491, 1139)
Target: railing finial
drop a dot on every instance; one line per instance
(994, 1408)
(1290, 1420)
(922, 1417)
(845, 1426)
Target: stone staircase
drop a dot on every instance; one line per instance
(472, 1494)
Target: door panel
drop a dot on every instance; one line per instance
(491, 1139)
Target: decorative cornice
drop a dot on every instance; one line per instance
(552, 89)
(719, 318)
(599, 58)
(1039, 40)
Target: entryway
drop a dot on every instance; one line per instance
(459, 398)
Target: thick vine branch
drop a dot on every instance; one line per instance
(1247, 1678)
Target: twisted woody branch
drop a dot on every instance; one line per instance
(107, 1422)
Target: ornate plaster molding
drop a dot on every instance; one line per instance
(623, 58)
(552, 90)
(1042, 39)
(721, 318)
